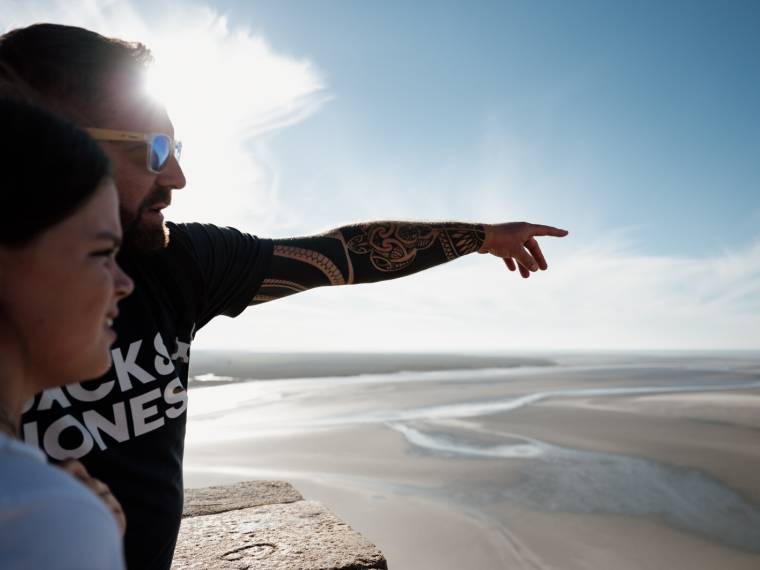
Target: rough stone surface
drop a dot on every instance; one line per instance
(266, 525)
(299, 535)
(210, 500)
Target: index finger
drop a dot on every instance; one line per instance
(540, 230)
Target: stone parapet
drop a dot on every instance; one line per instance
(266, 525)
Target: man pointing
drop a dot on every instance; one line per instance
(128, 427)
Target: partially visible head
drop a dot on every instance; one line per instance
(59, 233)
(95, 81)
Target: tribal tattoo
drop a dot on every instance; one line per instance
(364, 253)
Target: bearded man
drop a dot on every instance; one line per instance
(128, 427)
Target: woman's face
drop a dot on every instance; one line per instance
(58, 294)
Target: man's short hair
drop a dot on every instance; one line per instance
(71, 70)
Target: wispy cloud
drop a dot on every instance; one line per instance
(225, 87)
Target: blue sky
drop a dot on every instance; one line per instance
(634, 125)
(649, 111)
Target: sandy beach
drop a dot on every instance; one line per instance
(597, 463)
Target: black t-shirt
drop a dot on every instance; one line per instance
(128, 427)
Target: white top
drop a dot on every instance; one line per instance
(50, 520)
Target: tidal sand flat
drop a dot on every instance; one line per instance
(569, 461)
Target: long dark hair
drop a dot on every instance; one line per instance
(48, 169)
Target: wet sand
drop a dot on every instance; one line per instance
(521, 468)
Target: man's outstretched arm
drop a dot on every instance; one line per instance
(376, 251)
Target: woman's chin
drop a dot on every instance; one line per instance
(102, 360)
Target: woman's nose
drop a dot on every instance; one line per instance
(123, 283)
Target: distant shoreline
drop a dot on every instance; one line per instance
(219, 367)
(234, 366)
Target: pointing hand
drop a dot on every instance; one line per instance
(516, 244)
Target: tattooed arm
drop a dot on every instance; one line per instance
(376, 251)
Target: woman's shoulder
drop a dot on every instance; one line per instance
(50, 520)
(26, 476)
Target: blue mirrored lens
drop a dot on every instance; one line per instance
(160, 151)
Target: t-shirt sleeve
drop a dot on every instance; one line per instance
(232, 265)
(62, 532)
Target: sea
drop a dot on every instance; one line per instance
(544, 460)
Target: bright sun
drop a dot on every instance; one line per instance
(222, 89)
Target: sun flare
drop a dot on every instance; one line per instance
(223, 88)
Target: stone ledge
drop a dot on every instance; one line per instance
(266, 525)
(223, 498)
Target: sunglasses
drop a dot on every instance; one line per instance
(161, 147)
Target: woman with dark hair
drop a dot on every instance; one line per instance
(59, 289)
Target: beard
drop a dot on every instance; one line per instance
(140, 235)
